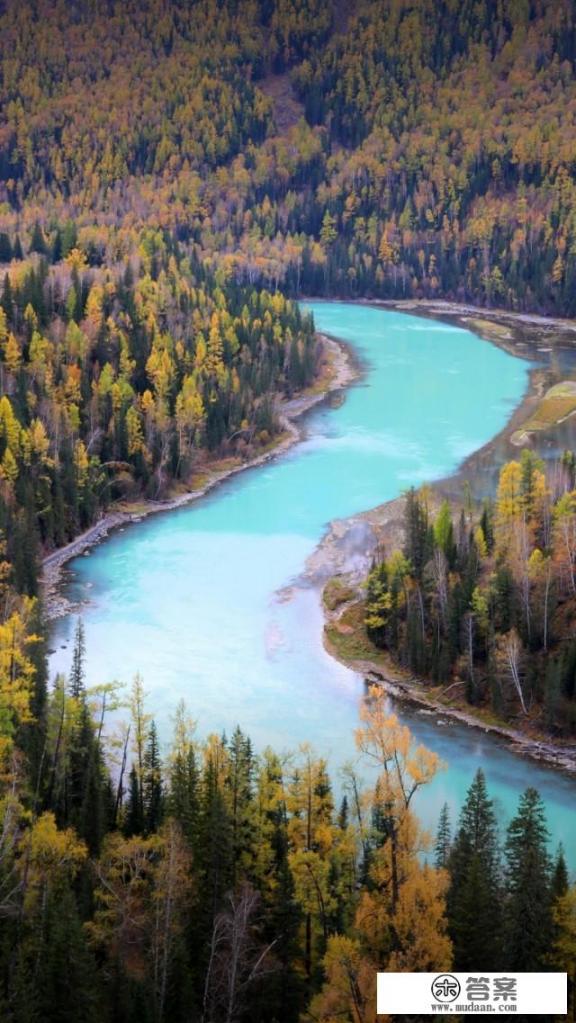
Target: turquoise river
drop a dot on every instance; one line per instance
(192, 599)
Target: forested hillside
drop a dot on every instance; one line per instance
(435, 155)
(161, 210)
(150, 211)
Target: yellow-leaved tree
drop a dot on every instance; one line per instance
(401, 916)
(400, 922)
(49, 857)
(16, 673)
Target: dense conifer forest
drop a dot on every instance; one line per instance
(173, 176)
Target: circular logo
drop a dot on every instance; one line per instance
(445, 988)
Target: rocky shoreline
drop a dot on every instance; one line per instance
(343, 371)
(462, 311)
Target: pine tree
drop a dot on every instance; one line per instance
(68, 977)
(134, 820)
(5, 248)
(560, 882)
(528, 921)
(56, 252)
(443, 839)
(7, 299)
(212, 853)
(417, 547)
(86, 783)
(239, 782)
(183, 795)
(77, 671)
(474, 896)
(37, 241)
(343, 814)
(152, 785)
(487, 524)
(283, 991)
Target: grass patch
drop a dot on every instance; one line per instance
(130, 507)
(200, 480)
(336, 592)
(347, 637)
(497, 330)
(558, 403)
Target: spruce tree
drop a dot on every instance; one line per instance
(183, 797)
(560, 882)
(487, 524)
(528, 919)
(85, 782)
(443, 839)
(239, 782)
(474, 896)
(417, 546)
(283, 991)
(37, 241)
(134, 819)
(153, 789)
(214, 851)
(5, 248)
(54, 974)
(8, 299)
(56, 252)
(343, 814)
(77, 671)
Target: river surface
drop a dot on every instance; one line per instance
(193, 599)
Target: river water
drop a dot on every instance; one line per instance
(193, 599)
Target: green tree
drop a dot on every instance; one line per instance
(528, 921)
(152, 783)
(78, 671)
(444, 533)
(37, 241)
(443, 839)
(239, 783)
(417, 546)
(183, 775)
(560, 881)
(475, 894)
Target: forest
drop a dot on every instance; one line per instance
(388, 179)
(485, 605)
(215, 884)
(174, 176)
(156, 224)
